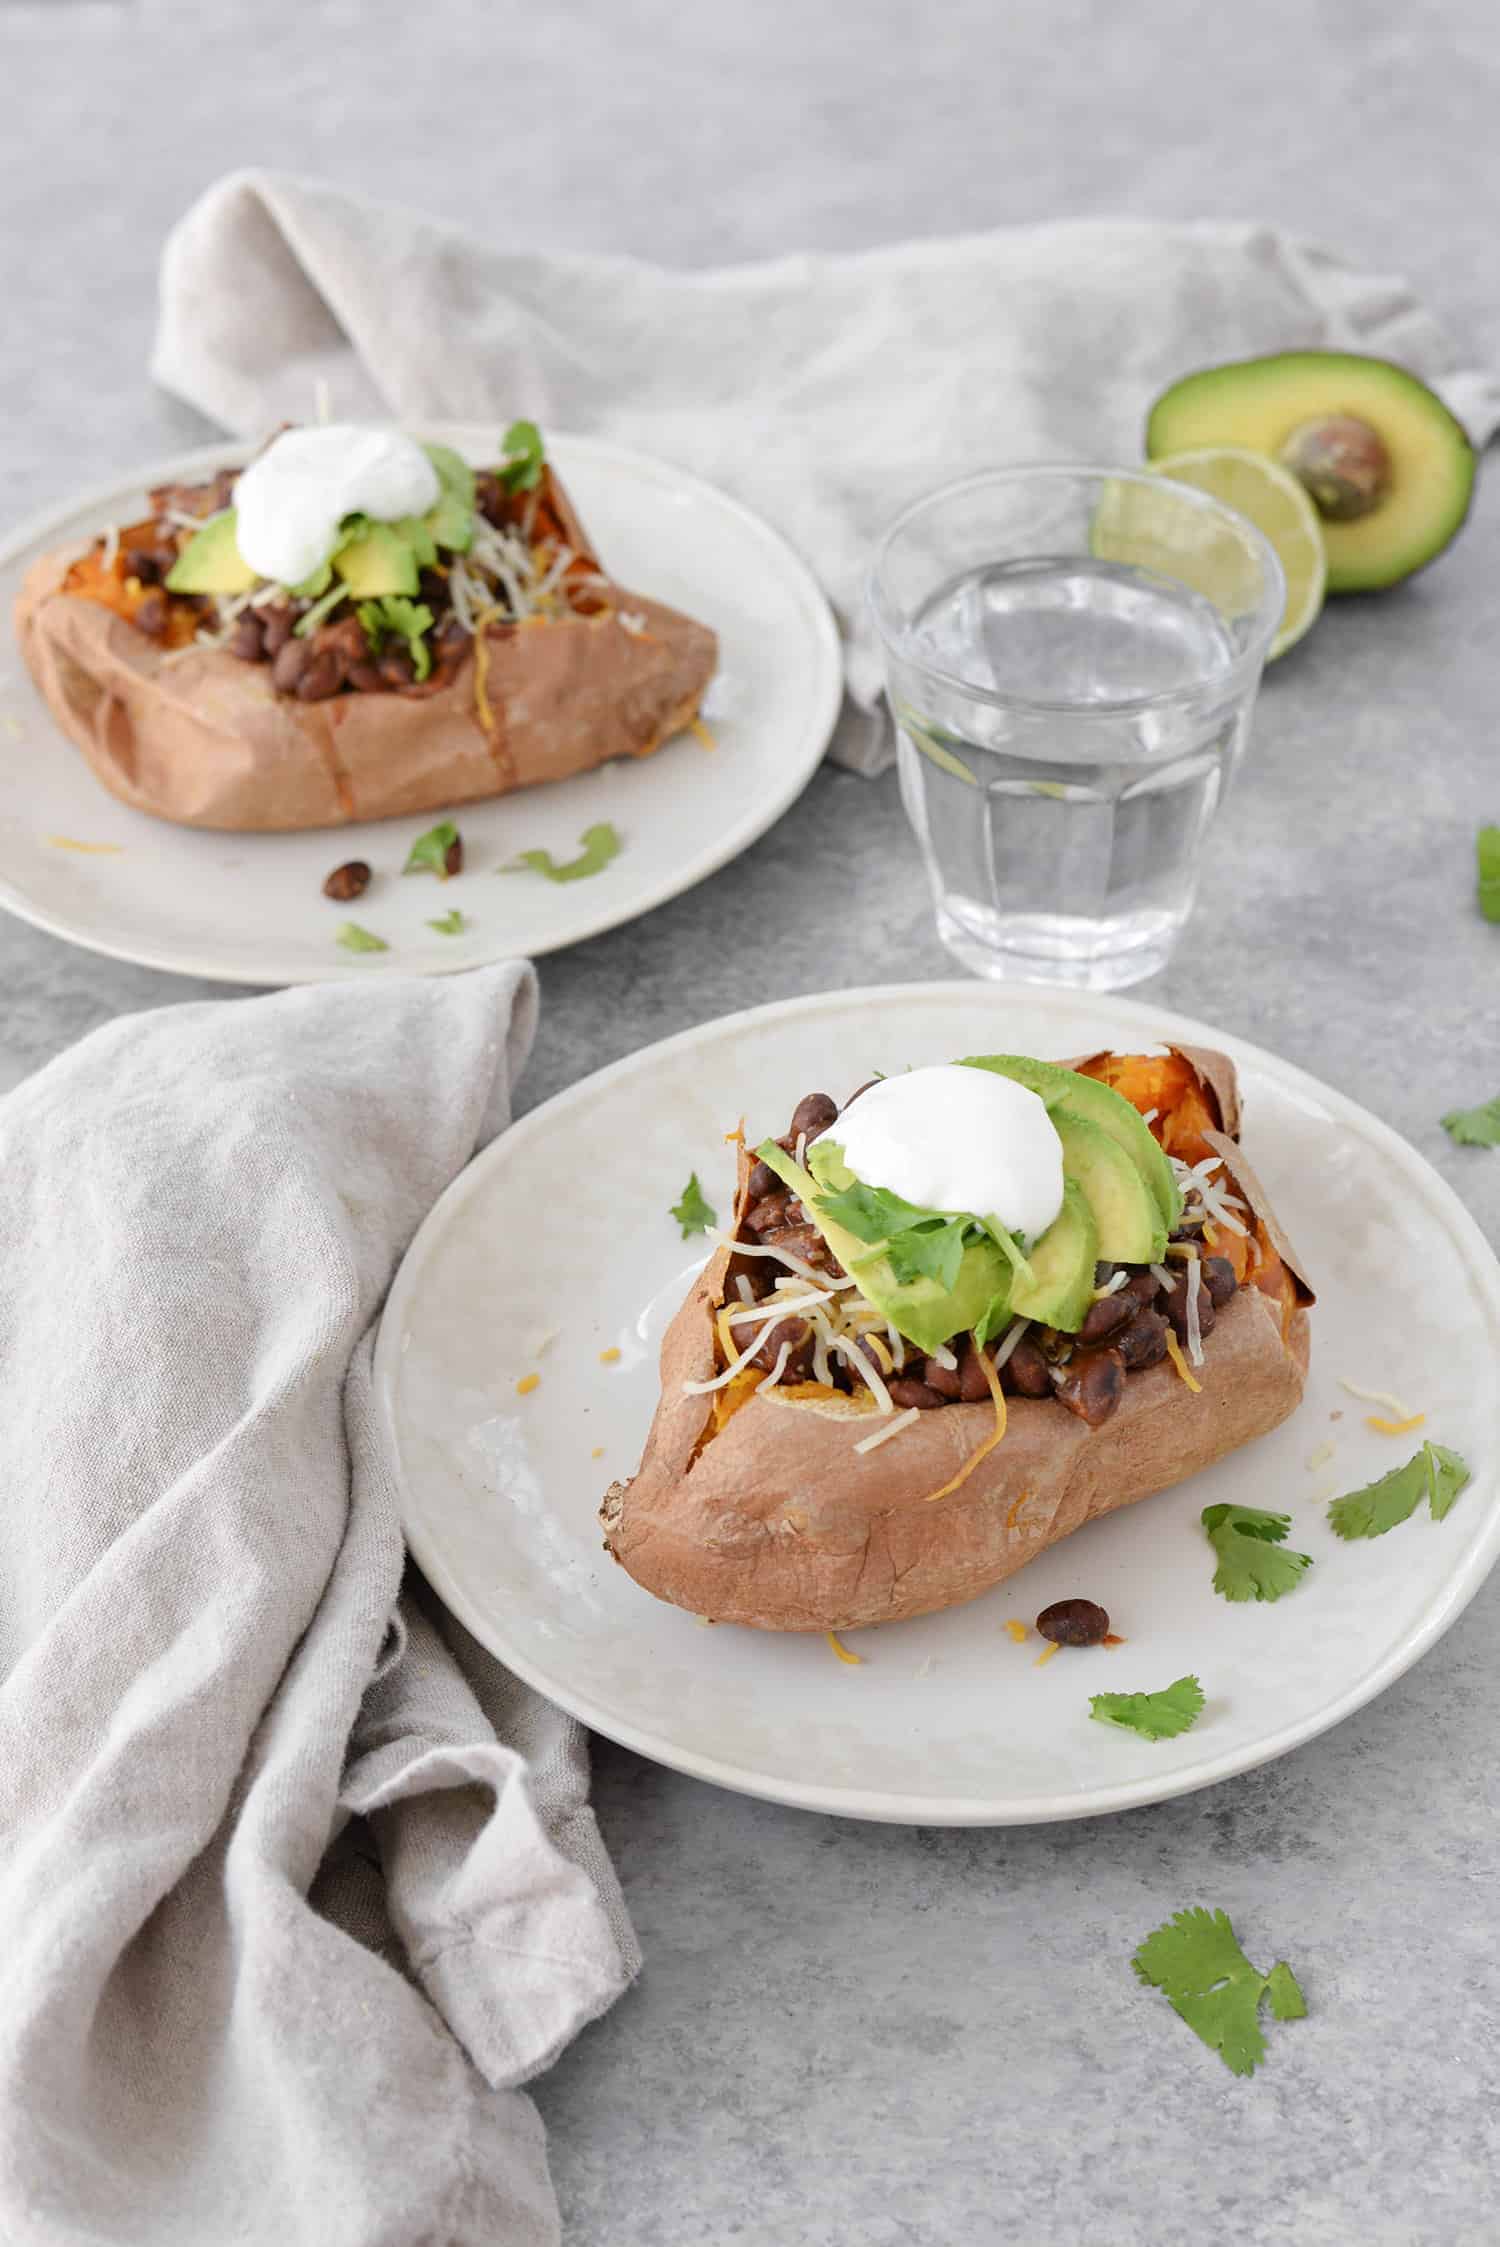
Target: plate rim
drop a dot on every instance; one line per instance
(761, 811)
(874, 1805)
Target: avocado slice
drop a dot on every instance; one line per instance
(451, 523)
(377, 561)
(1130, 1225)
(1389, 467)
(922, 1309)
(1062, 1267)
(1097, 1104)
(211, 561)
(417, 532)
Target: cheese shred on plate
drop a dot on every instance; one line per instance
(855, 1661)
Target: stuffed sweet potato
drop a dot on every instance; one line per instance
(426, 661)
(811, 1467)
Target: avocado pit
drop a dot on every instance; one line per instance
(1343, 462)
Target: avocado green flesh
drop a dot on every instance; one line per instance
(211, 562)
(1128, 1222)
(451, 523)
(1257, 403)
(1111, 1112)
(1061, 1287)
(377, 561)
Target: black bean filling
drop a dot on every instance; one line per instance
(1123, 1333)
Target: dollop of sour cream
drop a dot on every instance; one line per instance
(953, 1138)
(289, 503)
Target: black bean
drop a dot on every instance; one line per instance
(762, 1181)
(769, 1215)
(291, 660)
(854, 1095)
(365, 678)
(1144, 1341)
(1143, 1285)
(813, 1115)
(1219, 1279)
(1092, 1385)
(276, 621)
(348, 881)
(397, 668)
(1104, 1316)
(453, 863)
(906, 1392)
(1174, 1303)
(1026, 1372)
(795, 1331)
(142, 563)
(247, 640)
(972, 1385)
(322, 677)
(346, 639)
(151, 616)
(807, 1244)
(945, 1379)
(1074, 1622)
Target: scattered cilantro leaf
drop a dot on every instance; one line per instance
(1475, 1127)
(396, 618)
(1285, 1993)
(1156, 1716)
(1487, 851)
(1197, 1964)
(1433, 1473)
(1252, 1561)
(450, 924)
(357, 939)
(429, 853)
(932, 1252)
(523, 454)
(600, 845)
(693, 1213)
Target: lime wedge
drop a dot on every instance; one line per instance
(1279, 507)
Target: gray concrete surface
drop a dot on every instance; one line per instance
(870, 2035)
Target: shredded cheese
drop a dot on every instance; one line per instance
(90, 850)
(866, 1371)
(701, 734)
(1175, 1354)
(1162, 1276)
(1010, 1519)
(1017, 1630)
(889, 1428)
(1013, 1335)
(841, 1650)
(1044, 1658)
(1395, 1427)
(1393, 1405)
(1210, 1236)
(611, 1356)
(1319, 1457)
(1194, 1313)
(785, 1257)
(597, 1452)
(527, 1383)
(982, 1450)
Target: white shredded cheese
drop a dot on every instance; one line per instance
(1011, 1337)
(1319, 1457)
(111, 545)
(898, 1345)
(889, 1428)
(944, 1357)
(1161, 1275)
(767, 1313)
(779, 1367)
(1393, 1405)
(782, 1256)
(866, 1371)
(1111, 1286)
(631, 621)
(1150, 1115)
(1194, 1314)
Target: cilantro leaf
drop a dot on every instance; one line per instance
(450, 924)
(396, 618)
(1475, 1127)
(1285, 1993)
(1252, 1563)
(870, 1213)
(357, 939)
(600, 845)
(523, 456)
(1487, 850)
(431, 853)
(693, 1213)
(932, 1252)
(1156, 1716)
(1433, 1473)
(1197, 1964)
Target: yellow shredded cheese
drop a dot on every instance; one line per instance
(1394, 1427)
(736, 1138)
(1017, 1630)
(701, 734)
(876, 1343)
(855, 1661)
(1043, 1659)
(981, 1451)
(1210, 1236)
(597, 1452)
(1174, 1352)
(1010, 1519)
(91, 850)
(527, 1383)
(611, 1356)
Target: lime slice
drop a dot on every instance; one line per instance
(1279, 507)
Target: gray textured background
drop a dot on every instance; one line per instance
(850, 2034)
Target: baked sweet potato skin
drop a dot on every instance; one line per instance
(197, 737)
(776, 1522)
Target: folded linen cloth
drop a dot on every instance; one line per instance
(296, 1884)
(827, 391)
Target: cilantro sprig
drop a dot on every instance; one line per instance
(395, 618)
(357, 939)
(1156, 1716)
(1197, 1964)
(1433, 1473)
(450, 924)
(693, 1213)
(524, 455)
(1475, 1127)
(1253, 1560)
(1487, 852)
(440, 851)
(919, 1243)
(599, 845)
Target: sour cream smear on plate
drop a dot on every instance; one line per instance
(952, 1138)
(290, 502)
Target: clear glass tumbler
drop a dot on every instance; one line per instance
(1071, 656)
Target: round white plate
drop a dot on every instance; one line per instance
(562, 1228)
(248, 908)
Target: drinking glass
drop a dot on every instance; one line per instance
(1071, 656)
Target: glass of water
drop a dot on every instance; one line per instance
(1071, 656)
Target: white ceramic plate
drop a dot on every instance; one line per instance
(563, 1224)
(248, 908)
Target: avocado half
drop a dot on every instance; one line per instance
(1390, 469)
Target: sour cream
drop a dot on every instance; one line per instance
(289, 503)
(958, 1139)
